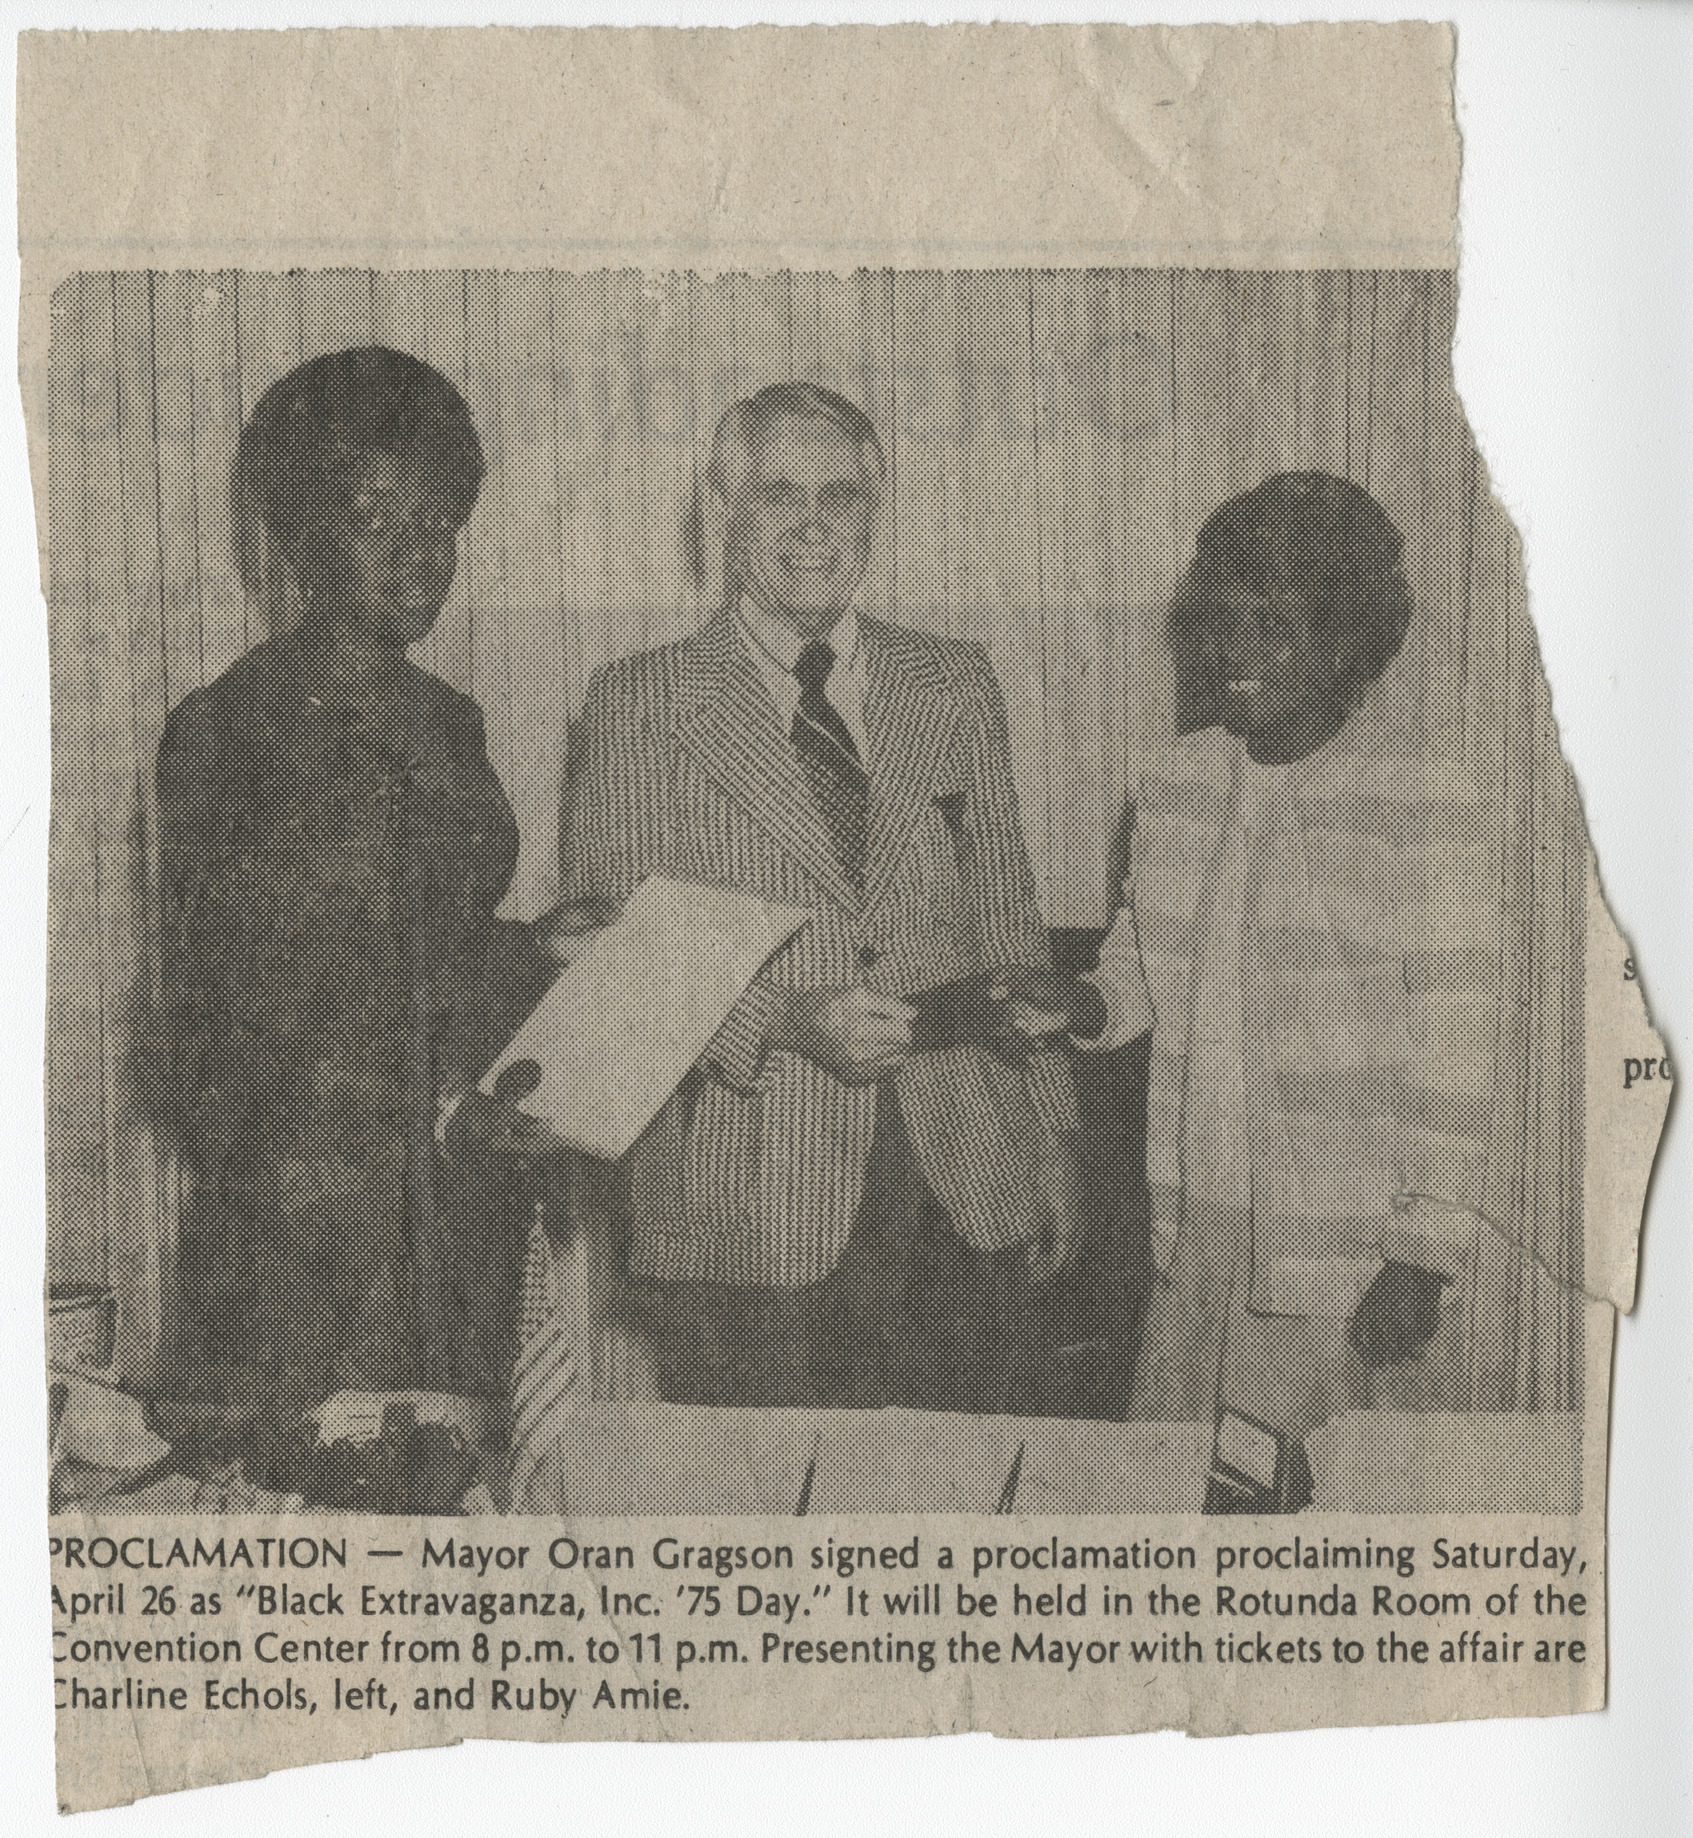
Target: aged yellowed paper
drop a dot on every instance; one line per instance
(1145, 1251)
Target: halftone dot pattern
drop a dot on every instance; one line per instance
(1055, 440)
(630, 1460)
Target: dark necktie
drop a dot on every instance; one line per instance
(830, 759)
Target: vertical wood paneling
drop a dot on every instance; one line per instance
(565, 430)
(1446, 464)
(272, 339)
(1360, 355)
(665, 408)
(968, 492)
(1487, 635)
(76, 1163)
(484, 545)
(143, 555)
(336, 309)
(1526, 1349)
(594, 463)
(105, 634)
(1320, 308)
(1397, 461)
(925, 414)
(1054, 443)
(532, 608)
(1074, 739)
(574, 388)
(1213, 424)
(1267, 353)
(145, 1166)
(1144, 541)
(632, 589)
(214, 352)
(805, 328)
(761, 308)
(1103, 398)
(1001, 544)
(120, 879)
(179, 523)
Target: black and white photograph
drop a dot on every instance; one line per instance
(971, 843)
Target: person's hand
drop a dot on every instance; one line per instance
(563, 932)
(522, 1138)
(1055, 1250)
(1040, 1005)
(1398, 1315)
(484, 1125)
(853, 1032)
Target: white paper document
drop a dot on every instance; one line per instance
(616, 1034)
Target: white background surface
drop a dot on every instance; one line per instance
(1574, 362)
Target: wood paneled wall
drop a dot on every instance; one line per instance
(1055, 439)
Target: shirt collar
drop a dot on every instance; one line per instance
(781, 645)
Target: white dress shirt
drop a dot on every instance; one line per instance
(774, 647)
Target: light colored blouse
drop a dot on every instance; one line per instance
(1312, 947)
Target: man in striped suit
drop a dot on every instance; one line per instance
(841, 1206)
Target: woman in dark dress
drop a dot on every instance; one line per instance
(334, 843)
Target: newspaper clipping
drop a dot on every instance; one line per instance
(819, 960)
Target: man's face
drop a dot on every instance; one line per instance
(396, 542)
(800, 536)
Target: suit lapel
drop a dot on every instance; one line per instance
(732, 728)
(911, 714)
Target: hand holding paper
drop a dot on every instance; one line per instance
(619, 1029)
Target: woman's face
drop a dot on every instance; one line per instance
(1273, 673)
(394, 549)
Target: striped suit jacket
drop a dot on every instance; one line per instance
(753, 1173)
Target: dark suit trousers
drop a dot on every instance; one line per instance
(912, 1315)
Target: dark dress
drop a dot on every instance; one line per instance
(332, 966)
